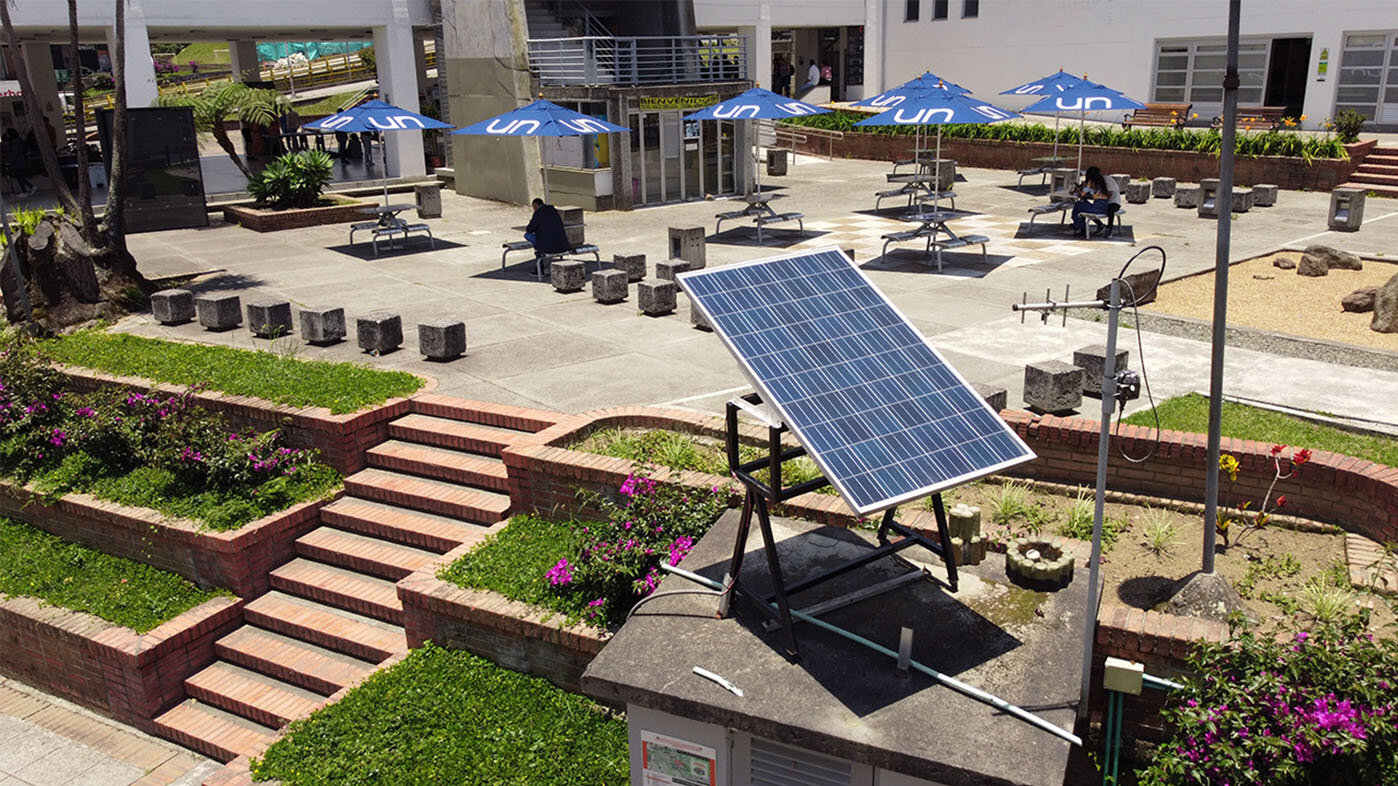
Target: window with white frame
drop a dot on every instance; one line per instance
(1368, 81)
(1191, 72)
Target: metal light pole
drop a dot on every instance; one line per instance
(1224, 199)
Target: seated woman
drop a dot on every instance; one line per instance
(1097, 195)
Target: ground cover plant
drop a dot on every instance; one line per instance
(340, 387)
(160, 451)
(678, 450)
(73, 576)
(447, 716)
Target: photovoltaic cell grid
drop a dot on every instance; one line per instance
(876, 407)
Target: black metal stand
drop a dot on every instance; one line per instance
(761, 495)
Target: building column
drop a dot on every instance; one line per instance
(141, 88)
(242, 59)
(759, 38)
(38, 61)
(873, 47)
(397, 72)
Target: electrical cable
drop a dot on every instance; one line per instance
(669, 593)
(1141, 356)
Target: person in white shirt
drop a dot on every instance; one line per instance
(812, 76)
(1097, 195)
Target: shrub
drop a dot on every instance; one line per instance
(293, 180)
(1347, 125)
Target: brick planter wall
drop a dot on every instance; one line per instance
(261, 220)
(1184, 166)
(239, 560)
(114, 670)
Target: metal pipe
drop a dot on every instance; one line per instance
(1224, 200)
(951, 682)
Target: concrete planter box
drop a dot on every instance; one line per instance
(266, 220)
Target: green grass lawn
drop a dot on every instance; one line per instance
(514, 560)
(681, 451)
(213, 53)
(72, 576)
(447, 716)
(1191, 413)
(325, 106)
(342, 387)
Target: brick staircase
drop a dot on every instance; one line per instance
(333, 613)
(1378, 172)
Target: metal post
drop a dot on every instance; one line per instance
(1220, 326)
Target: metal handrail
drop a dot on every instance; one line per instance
(638, 60)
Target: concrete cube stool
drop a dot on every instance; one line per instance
(1162, 187)
(633, 264)
(1138, 193)
(172, 306)
(1121, 181)
(666, 270)
(567, 275)
(609, 286)
(379, 334)
(656, 298)
(1346, 209)
(1264, 195)
(687, 243)
(698, 320)
(323, 326)
(998, 398)
(442, 339)
(1208, 198)
(1052, 386)
(1187, 196)
(1091, 359)
(269, 318)
(1242, 200)
(849, 252)
(219, 312)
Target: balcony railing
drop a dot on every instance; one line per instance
(643, 60)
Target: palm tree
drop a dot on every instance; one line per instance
(216, 103)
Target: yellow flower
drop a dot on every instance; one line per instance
(1228, 464)
(1195, 115)
(1303, 117)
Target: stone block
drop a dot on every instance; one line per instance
(571, 215)
(1121, 181)
(1346, 209)
(998, 398)
(269, 318)
(1162, 187)
(666, 270)
(1052, 386)
(1242, 200)
(379, 333)
(688, 243)
(698, 320)
(1092, 359)
(567, 275)
(323, 326)
(1062, 179)
(656, 298)
(1264, 195)
(1208, 198)
(633, 264)
(849, 252)
(172, 306)
(1140, 285)
(441, 339)
(576, 234)
(609, 286)
(429, 200)
(776, 162)
(1187, 196)
(1138, 193)
(218, 312)
(964, 521)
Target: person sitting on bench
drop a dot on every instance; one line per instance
(1097, 195)
(545, 230)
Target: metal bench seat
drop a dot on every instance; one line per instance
(729, 216)
(763, 221)
(540, 259)
(1061, 208)
(1038, 170)
(400, 228)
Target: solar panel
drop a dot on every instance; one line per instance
(885, 417)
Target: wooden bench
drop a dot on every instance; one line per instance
(540, 259)
(400, 228)
(763, 221)
(1251, 118)
(1170, 115)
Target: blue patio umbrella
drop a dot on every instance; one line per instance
(1049, 85)
(939, 108)
(542, 118)
(376, 116)
(909, 89)
(1083, 97)
(757, 104)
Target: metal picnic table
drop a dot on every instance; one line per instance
(930, 225)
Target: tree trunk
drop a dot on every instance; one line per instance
(47, 154)
(88, 223)
(221, 136)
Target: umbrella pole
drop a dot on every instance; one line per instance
(1055, 137)
(1082, 127)
(937, 172)
(543, 170)
(757, 165)
(383, 157)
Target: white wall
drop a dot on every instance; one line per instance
(197, 16)
(781, 13)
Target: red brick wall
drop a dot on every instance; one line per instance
(239, 560)
(264, 220)
(127, 676)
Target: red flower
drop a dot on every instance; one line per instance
(1281, 501)
(1277, 449)
(1300, 457)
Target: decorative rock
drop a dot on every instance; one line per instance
(1386, 308)
(1039, 563)
(1052, 386)
(687, 243)
(172, 306)
(1242, 200)
(324, 326)
(219, 312)
(379, 334)
(1138, 193)
(1121, 181)
(442, 339)
(609, 286)
(1334, 258)
(1264, 195)
(656, 298)
(269, 318)
(968, 545)
(666, 270)
(1162, 187)
(633, 264)
(1314, 267)
(1284, 263)
(1092, 360)
(1187, 196)
(1347, 209)
(1360, 301)
(1208, 198)
(567, 275)
(998, 398)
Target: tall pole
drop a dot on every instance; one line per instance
(1224, 200)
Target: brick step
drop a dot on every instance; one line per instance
(401, 525)
(211, 731)
(452, 466)
(290, 660)
(343, 589)
(1367, 168)
(324, 626)
(1385, 180)
(431, 496)
(1375, 188)
(254, 696)
(1380, 158)
(362, 554)
(485, 413)
(454, 434)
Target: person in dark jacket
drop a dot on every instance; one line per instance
(546, 231)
